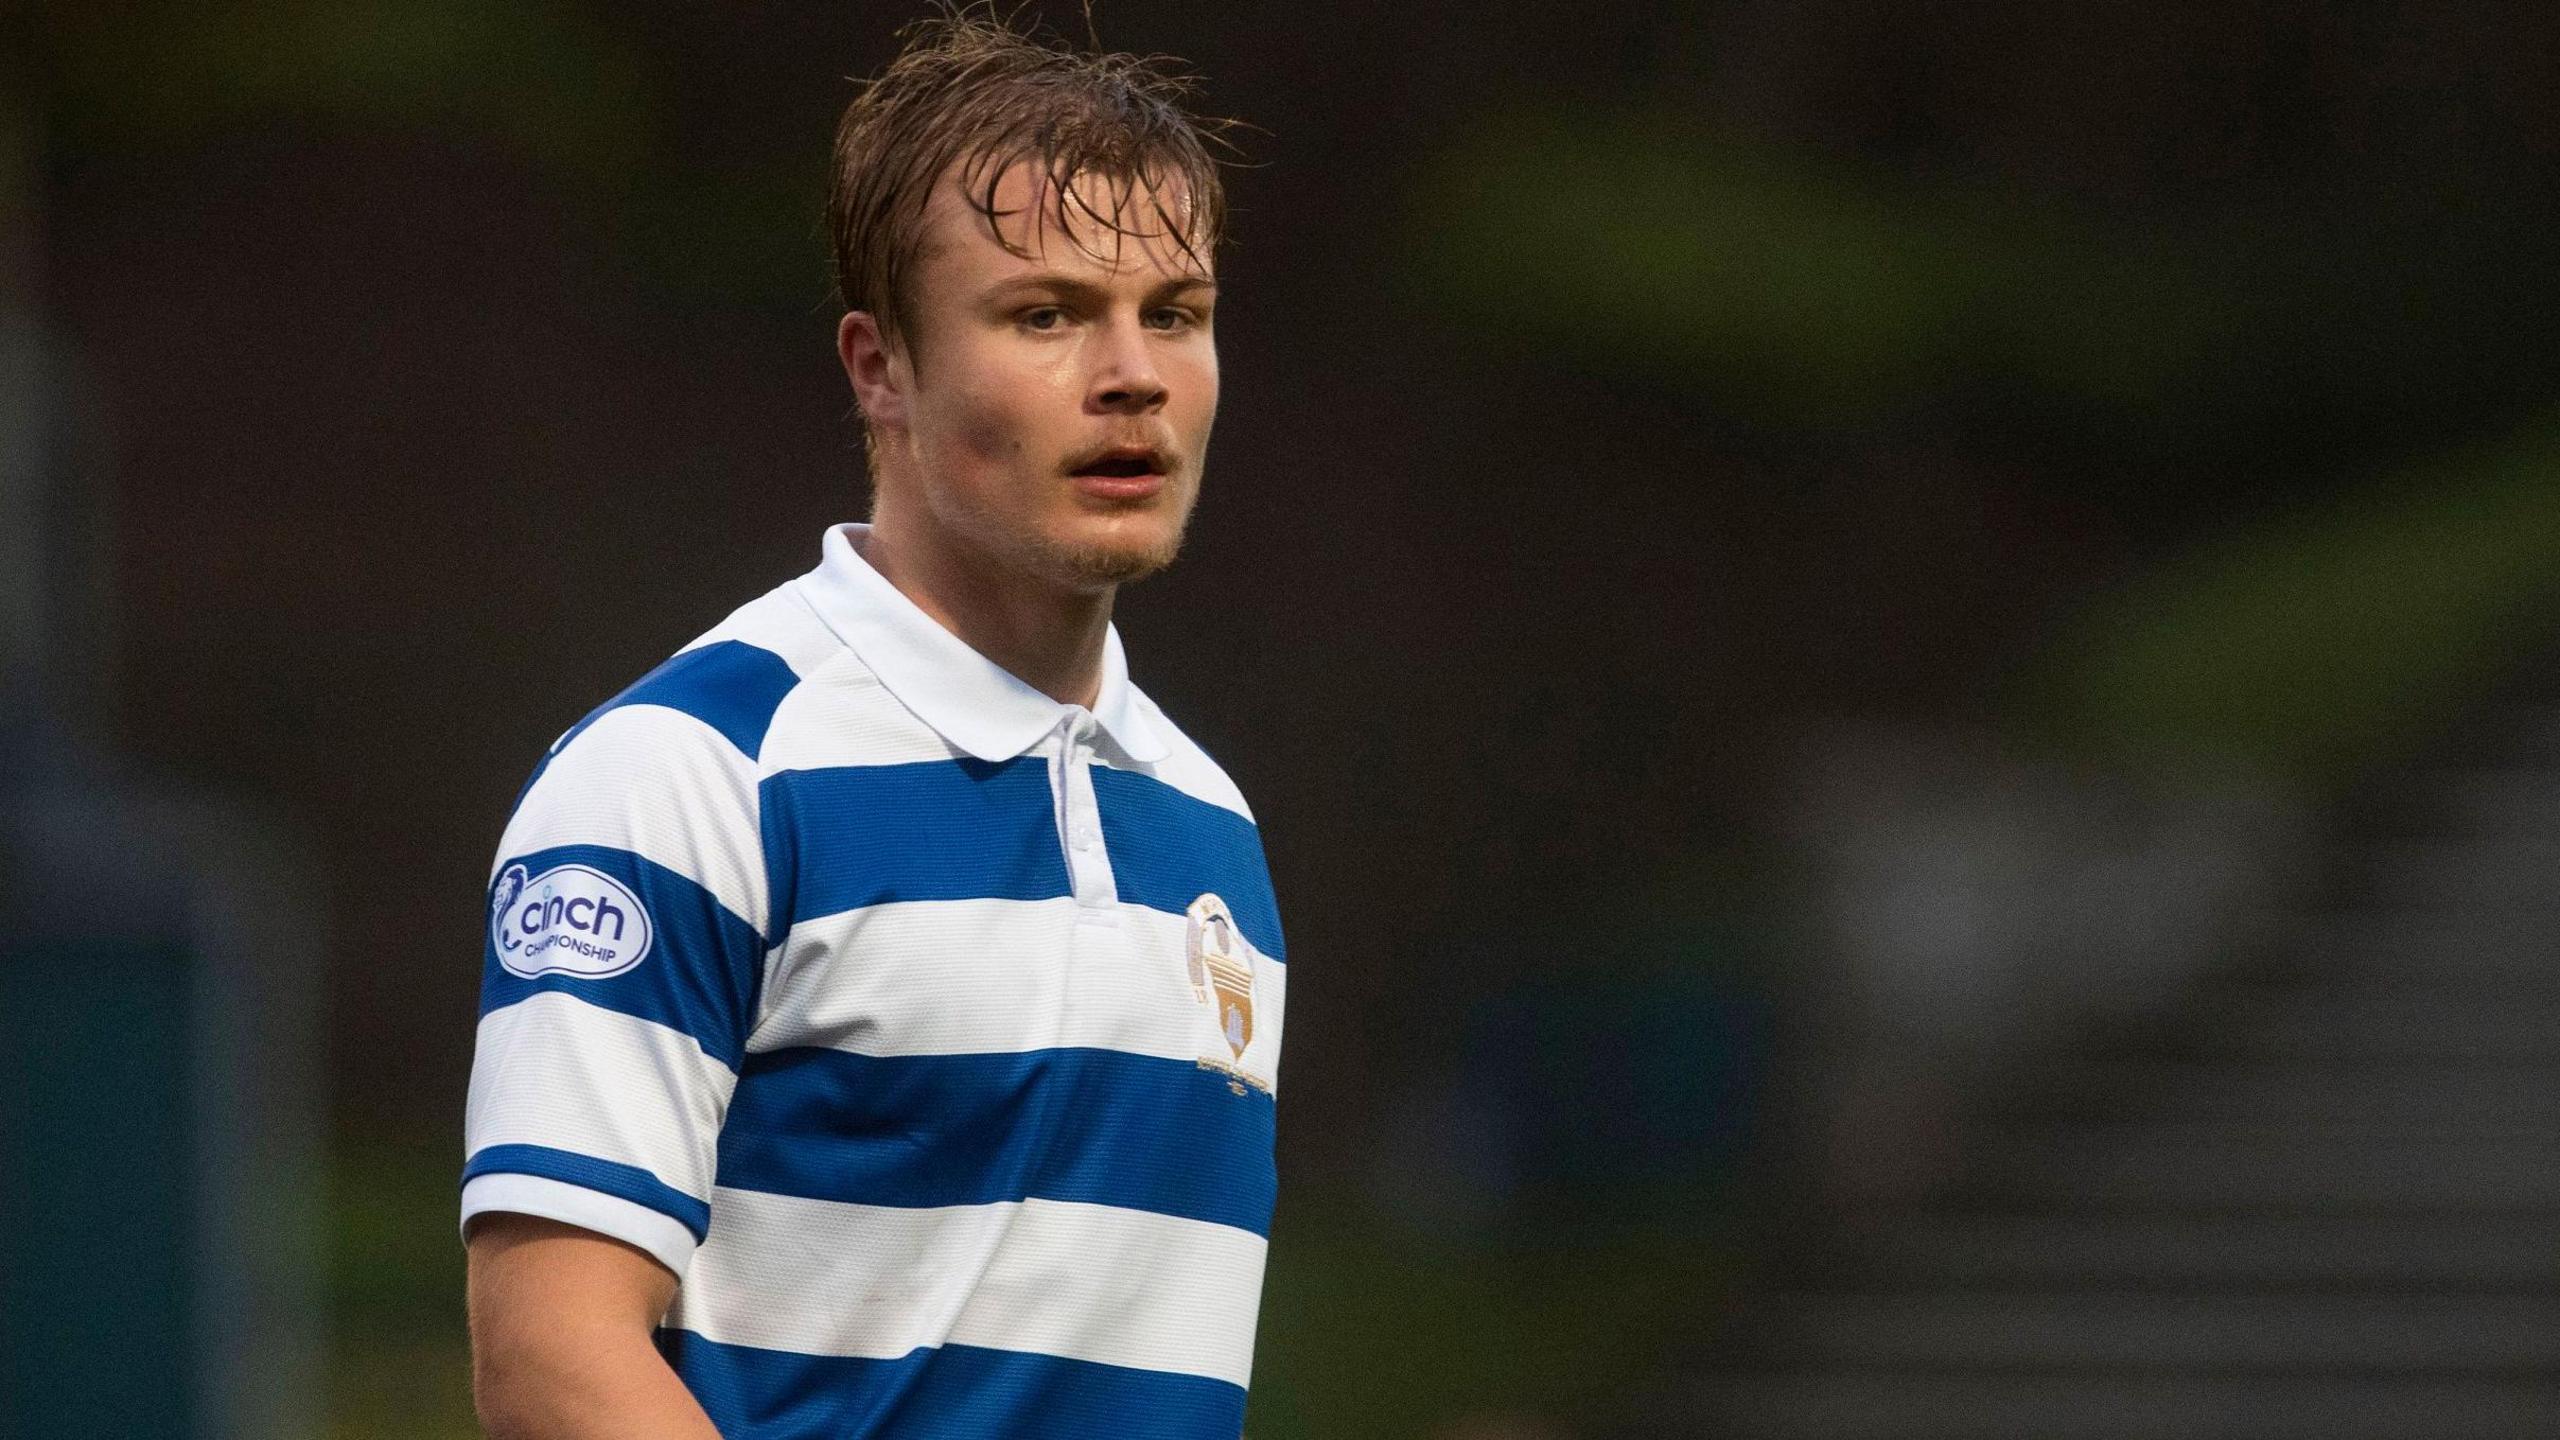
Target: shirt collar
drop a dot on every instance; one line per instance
(968, 699)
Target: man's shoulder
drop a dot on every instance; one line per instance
(699, 722)
(730, 682)
(1187, 765)
(669, 768)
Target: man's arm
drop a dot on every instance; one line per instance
(561, 1320)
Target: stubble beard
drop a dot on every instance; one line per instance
(1097, 567)
(1065, 563)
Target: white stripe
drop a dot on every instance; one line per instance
(842, 715)
(961, 977)
(1088, 1282)
(1189, 768)
(661, 784)
(663, 1236)
(554, 1070)
(779, 621)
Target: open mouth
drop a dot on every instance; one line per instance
(1124, 463)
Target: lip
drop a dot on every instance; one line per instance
(1151, 464)
(1119, 487)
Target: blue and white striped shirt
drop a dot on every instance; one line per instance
(926, 1028)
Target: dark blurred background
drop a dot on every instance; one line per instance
(1849, 621)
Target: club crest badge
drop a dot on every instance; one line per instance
(1221, 972)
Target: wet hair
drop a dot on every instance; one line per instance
(970, 89)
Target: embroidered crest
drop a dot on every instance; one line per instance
(1221, 971)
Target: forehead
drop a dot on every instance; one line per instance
(988, 222)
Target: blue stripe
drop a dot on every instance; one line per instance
(1168, 849)
(626, 1182)
(1100, 1126)
(729, 685)
(844, 837)
(704, 967)
(956, 1392)
(848, 836)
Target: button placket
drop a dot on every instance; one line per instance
(1080, 820)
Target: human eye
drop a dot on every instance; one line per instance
(1172, 317)
(1041, 318)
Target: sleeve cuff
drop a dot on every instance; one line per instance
(663, 1236)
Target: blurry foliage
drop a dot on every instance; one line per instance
(2182, 364)
(132, 74)
(2314, 646)
(1371, 1332)
(399, 1363)
(1799, 292)
(2173, 374)
(544, 83)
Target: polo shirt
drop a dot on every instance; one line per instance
(927, 1028)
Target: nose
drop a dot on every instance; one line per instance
(1126, 381)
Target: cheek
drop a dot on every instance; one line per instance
(977, 424)
(1003, 412)
(987, 432)
(1201, 385)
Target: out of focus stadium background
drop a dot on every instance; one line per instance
(1897, 660)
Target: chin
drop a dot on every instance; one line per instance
(1108, 563)
(1130, 547)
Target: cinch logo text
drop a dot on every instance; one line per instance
(568, 920)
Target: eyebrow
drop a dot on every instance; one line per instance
(1086, 291)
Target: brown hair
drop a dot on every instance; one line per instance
(970, 89)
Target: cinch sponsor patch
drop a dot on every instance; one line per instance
(568, 920)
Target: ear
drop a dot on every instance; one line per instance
(880, 375)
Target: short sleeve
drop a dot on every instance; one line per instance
(622, 959)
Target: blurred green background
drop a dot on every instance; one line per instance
(1617, 404)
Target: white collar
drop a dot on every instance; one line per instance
(968, 699)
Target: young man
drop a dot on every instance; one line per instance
(882, 1001)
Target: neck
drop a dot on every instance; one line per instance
(1047, 636)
